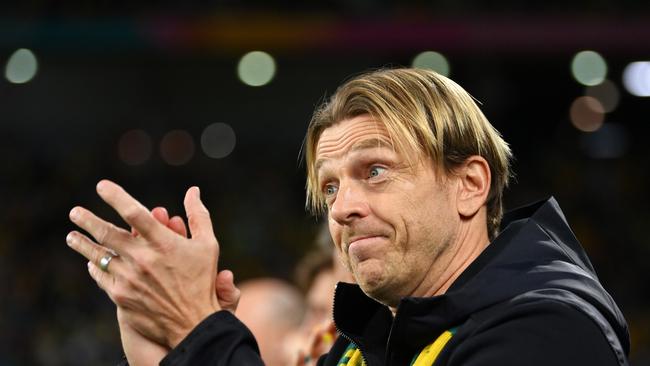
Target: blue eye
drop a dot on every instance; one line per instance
(330, 189)
(376, 171)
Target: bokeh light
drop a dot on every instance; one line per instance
(256, 68)
(135, 147)
(21, 66)
(433, 61)
(636, 78)
(177, 147)
(218, 140)
(589, 68)
(587, 114)
(607, 94)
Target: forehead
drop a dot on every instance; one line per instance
(360, 131)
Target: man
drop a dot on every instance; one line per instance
(411, 175)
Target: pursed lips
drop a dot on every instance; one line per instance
(354, 239)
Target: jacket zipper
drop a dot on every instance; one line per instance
(345, 335)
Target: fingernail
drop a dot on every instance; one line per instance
(198, 192)
(70, 239)
(74, 214)
(100, 186)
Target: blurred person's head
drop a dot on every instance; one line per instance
(317, 275)
(273, 310)
(408, 169)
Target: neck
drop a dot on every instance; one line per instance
(461, 259)
(469, 243)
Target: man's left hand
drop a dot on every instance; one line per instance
(163, 283)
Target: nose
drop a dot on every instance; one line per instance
(351, 203)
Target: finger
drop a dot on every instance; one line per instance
(177, 224)
(104, 280)
(86, 247)
(104, 232)
(227, 293)
(160, 214)
(132, 211)
(92, 251)
(198, 215)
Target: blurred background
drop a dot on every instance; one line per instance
(219, 93)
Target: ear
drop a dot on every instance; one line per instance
(474, 179)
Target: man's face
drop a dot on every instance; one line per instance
(390, 217)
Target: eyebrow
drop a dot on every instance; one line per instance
(361, 145)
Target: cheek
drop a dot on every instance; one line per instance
(421, 215)
(335, 233)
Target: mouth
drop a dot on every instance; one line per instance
(360, 240)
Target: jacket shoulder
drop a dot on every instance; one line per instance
(541, 332)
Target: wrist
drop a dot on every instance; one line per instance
(176, 336)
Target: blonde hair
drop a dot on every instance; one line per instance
(423, 112)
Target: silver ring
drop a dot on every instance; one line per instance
(105, 261)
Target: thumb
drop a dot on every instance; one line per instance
(198, 216)
(227, 293)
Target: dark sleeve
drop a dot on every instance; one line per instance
(221, 339)
(547, 333)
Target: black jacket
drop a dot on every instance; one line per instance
(531, 298)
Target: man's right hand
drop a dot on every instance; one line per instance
(227, 293)
(141, 351)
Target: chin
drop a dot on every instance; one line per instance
(368, 278)
(375, 286)
(383, 295)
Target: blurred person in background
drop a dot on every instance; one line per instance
(273, 311)
(317, 274)
(411, 175)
